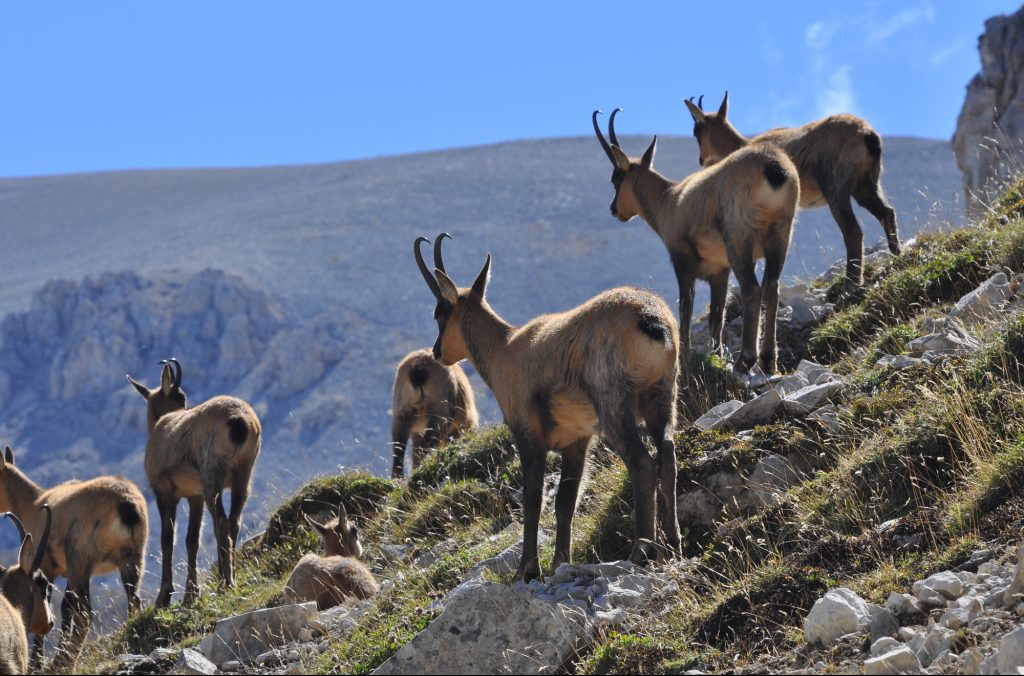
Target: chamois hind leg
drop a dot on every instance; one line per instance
(213, 497)
(684, 264)
(239, 495)
(869, 195)
(716, 316)
(76, 611)
(131, 568)
(532, 456)
(433, 436)
(619, 427)
(401, 426)
(853, 236)
(168, 508)
(775, 249)
(658, 409)
(742, 261)
(574, 459)
(195, 527)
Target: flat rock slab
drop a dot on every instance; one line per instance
(489, 628)
(245, 637)
(758, 411)
(715, 415)
(806, 399)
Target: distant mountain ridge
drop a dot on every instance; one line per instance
(295, 286)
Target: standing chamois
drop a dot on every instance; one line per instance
(196, 454)
(99, 526)
(838, 157)
(560, 379)
(721, 218)
(331, 578)
(24, 600)
(432, 402)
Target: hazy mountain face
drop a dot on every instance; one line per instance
(295, 287)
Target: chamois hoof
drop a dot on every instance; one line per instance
(768, 364)
(528, 571)
(743, 365)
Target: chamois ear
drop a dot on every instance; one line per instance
(724, 108)
(342, 516)
(447, 287)
(9, 455)
(26, 554)
(480, 285)
(695, 112)
(318, 527)
(648, 157)
(166, 379)
(621, 161)
(139, 387)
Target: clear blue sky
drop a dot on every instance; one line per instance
(93, 86)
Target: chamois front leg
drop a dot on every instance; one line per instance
(76, 616)
(573, 460)
(684, 266)
(532, 455)
(195, 527)
(853, 237)
(716, 316)
(168, 508)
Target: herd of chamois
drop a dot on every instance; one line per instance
(604, 367)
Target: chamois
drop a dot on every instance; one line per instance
(838, 157)
(196, 454)
(99, 526)
(720, 218)
(561, 379)
(330, 579)
(24, 600)
(432, 402)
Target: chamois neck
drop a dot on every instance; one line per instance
(486, 336)
(19, 490)
(731, 139)
(652, 191)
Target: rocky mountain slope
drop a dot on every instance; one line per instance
(295, 288)
(861, 512)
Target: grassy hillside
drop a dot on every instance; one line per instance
(935, 453)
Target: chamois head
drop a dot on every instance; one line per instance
(24, 585)
(166, 398)
(716, 137)
(625, 170)
(452, 302)
(341, 537)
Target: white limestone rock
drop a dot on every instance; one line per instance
(838, 613)
(244, 637)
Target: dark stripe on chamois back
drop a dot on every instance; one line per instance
(775, 174)
(238, 431)
(129, 514)
(874, 143)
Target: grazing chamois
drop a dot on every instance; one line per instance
(332, 578)
(560, 379)
(432, 402)
(99, 526)
(838, 157)
(24, 600)
(718, 219)
(197, 453)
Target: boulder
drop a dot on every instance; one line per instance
(191, 662)
(904, 606)
(711, 419)
(758, 411)
(985, 302)
(946, 583)
(772, 476)
(244, 637)
(1015, 591)
(805, 400)
(901, 660)
(1011, 652)
(838, 613)
(492, 628)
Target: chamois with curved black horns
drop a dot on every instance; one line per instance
(99, 526)
(197, 453)
(24, 599)
(838, 157)
(722, 218)
(600, 368)
(337, 575)
(433, 403)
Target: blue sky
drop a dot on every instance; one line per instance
(116, 85)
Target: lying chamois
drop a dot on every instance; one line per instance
(432, 402)
(24, 600)
(838, 157)
(330, 579)
(599, 368)
(196, 454)
(99, 526)
(721, 218)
